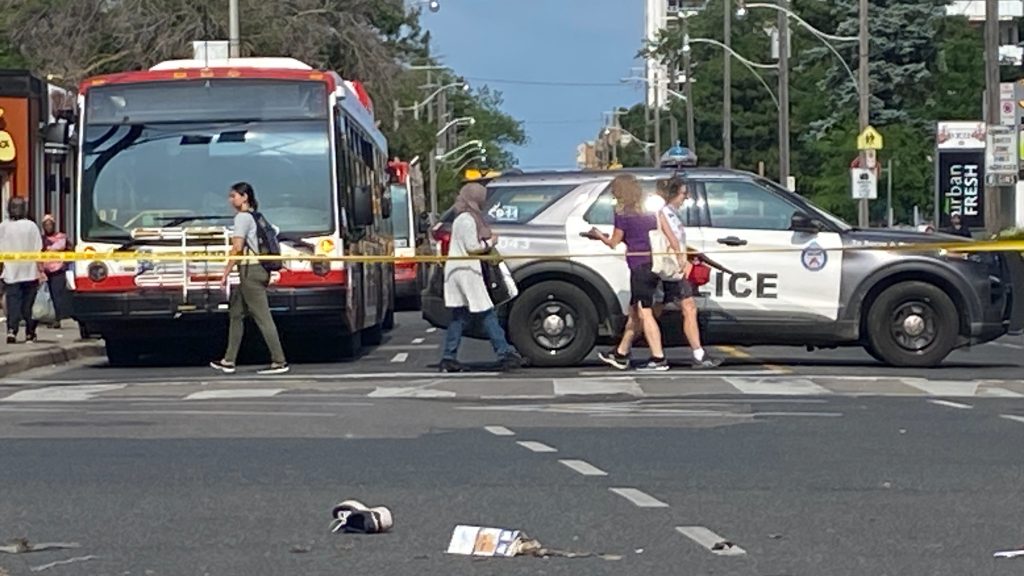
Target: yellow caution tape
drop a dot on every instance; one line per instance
(200, 256)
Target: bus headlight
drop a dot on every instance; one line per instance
(98, 272)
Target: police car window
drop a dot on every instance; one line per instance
(519, 204)
(602, 212)
(743, 205)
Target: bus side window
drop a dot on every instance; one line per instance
(344, 170)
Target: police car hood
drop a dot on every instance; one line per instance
(884, 236)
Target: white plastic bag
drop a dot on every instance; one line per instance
(510, 283)
(42, 309)
(663, 261)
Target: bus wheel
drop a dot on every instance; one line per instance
(349, 345)
(122, 352)
(389, 319)
(373, 335)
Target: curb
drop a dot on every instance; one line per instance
(50, 357)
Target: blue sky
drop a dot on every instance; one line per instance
(560, 41)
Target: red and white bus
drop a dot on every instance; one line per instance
(411, 224)
(158, 150)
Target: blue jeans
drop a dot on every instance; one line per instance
(460, 316)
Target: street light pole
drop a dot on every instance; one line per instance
(233, 30)
(691, 132)
(993, 203)
(657, 116)
(783, 95)
(727, 89)
(864, 89)
(442, 103)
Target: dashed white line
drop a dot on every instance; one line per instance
(62, 393)
(431, 330)
(418, 340)
(584, 468)
(499, 431)
(1008, 345)
(536, 446)
(950, 404)
(638, 498)
(710, 541)
(1012, 417)
(400, 357)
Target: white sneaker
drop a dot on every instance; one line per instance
(223, 366)
(274, 369)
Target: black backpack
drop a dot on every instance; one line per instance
(266, 238)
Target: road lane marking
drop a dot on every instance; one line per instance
(956, 388)
(584, 468)
(499, 431)
(536, 446)
(590, 386)
(1008, 345)
(734, 352)
(1012, 417)
(400, 347)
(213, 413)
(418, 340)
(431, 330)
(235, 393)
(400, 357)
(684, 374)
(950, 404)
(710, 541)
(787, 387)
(62, 393)
(638, 498)
(409, 392)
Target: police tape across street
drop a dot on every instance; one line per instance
(202, 256)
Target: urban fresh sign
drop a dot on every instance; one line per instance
(960, 173)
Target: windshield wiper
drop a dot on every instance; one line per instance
(172, 221)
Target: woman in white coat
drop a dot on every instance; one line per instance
(464, 290)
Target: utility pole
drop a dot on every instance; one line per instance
(691, 132)
(727, 88)
(234, 42)
(442, 105)
(784, 93)
(993, 202)
(864, 80)
(657, 118)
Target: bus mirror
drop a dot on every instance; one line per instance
(362, 209)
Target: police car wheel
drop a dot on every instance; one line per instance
(912, 324)
(553, 324)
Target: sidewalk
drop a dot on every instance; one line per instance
(53, 347)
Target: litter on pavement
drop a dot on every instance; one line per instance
(23, 546)
(354, 517)
(506, 543)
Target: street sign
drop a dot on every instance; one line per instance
(869, 139)
(1007, 110)
(872, 158)
(1001, 154)
(864, 183)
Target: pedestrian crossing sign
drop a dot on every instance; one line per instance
(869, 139)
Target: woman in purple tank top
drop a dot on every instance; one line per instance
(633, 226)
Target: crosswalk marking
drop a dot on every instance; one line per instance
(774, 387)
(62, 393)
(583, 467)
(639, 498)
(710, 541)
(236, 393)
(587, 386)
(533, 446)
(955, 388)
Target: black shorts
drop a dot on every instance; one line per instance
(643, 283)
(677, 290)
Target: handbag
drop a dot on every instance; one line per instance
(501, 287)
(663, 260)
(700, 274)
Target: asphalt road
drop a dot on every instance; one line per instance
(841, 467)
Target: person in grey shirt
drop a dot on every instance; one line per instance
(250, 298)
(21, 278)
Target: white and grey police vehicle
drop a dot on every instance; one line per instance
(796, 275)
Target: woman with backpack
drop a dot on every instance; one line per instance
(249, 299)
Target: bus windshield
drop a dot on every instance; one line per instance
(167, 174)
(400, 215)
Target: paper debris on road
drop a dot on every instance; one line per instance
(1009, 554)
(480, 541)
(23, 546)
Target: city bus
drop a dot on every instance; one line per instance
(158, 151)
(410, 224)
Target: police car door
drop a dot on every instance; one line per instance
(778, 275)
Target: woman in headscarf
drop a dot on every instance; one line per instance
(56, 241)
(464, 290)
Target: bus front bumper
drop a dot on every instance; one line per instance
(155, 310)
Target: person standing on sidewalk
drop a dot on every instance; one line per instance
(465, 293)
(249, 299)
(21, 278)
(633, 226)
(55, 241)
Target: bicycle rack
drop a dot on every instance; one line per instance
(188, 274)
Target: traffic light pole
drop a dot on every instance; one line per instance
(993, 202)
(783, 95)
(727, 89)
(863, 212)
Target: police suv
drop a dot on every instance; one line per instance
(799, 275)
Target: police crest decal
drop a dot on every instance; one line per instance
(814, 257)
